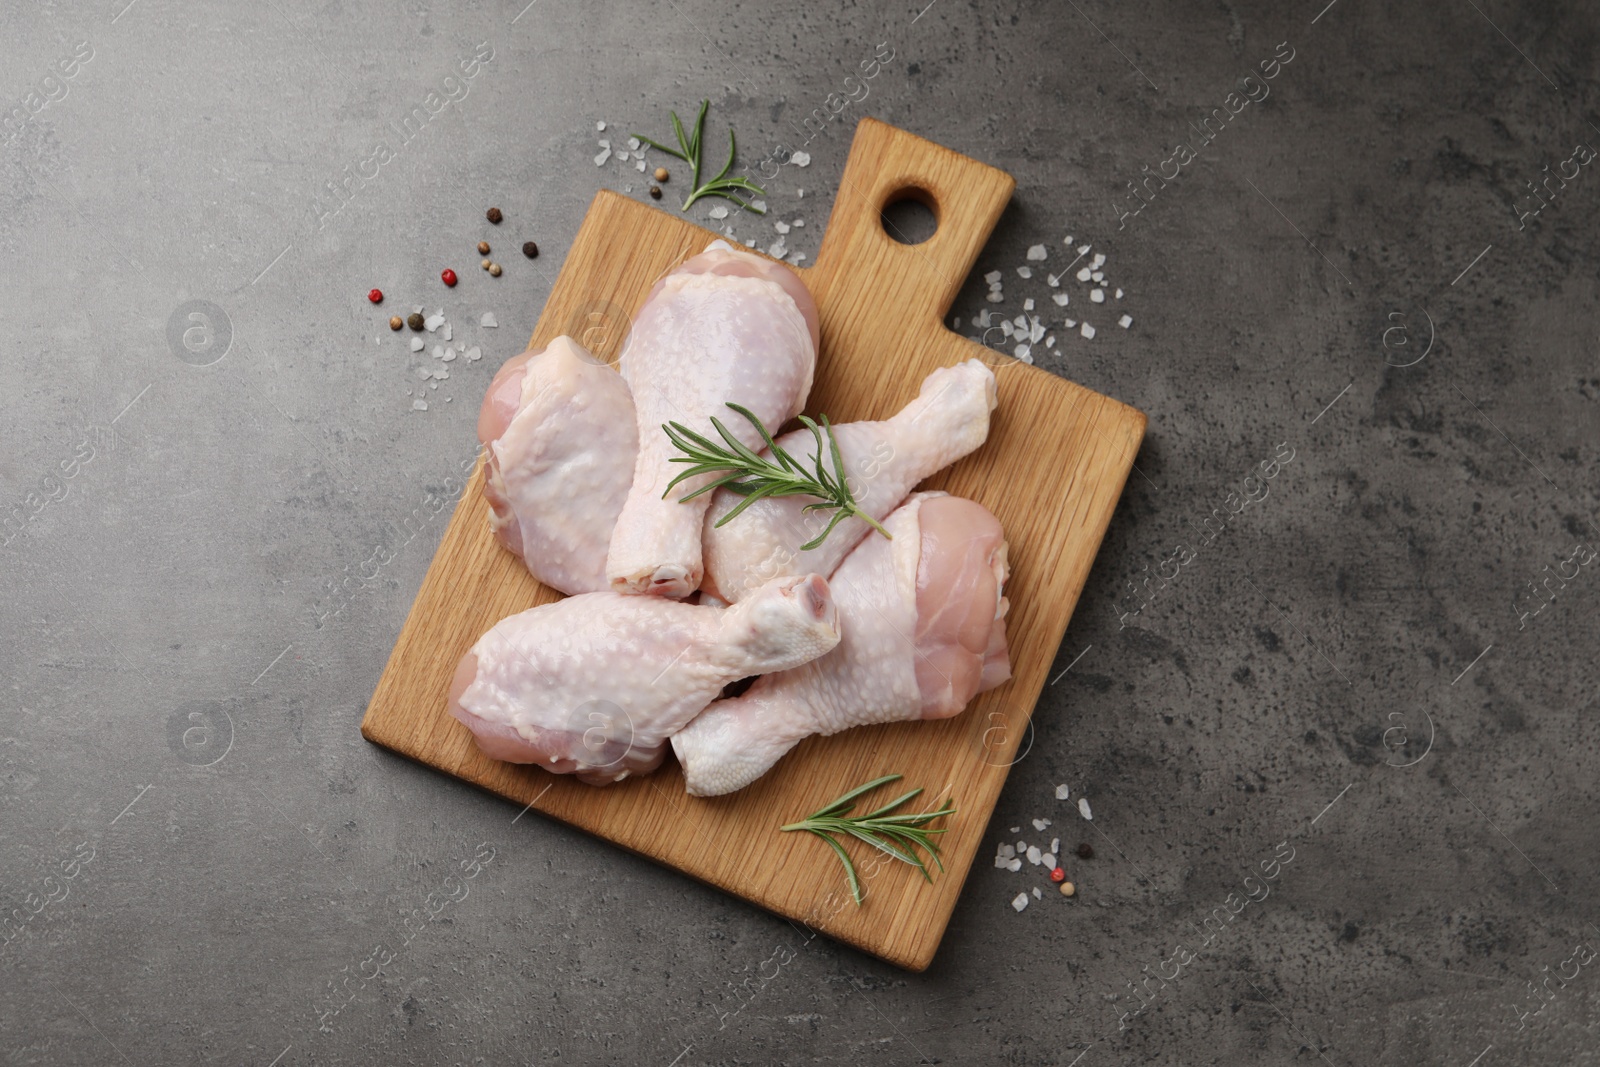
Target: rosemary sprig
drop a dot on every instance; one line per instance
(690, 151)
(897, 835)
(754, 478)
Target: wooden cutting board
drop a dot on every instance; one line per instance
(1051, 471)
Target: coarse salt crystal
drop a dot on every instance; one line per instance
(600, 160)
(993, 276)
(449, 355)
(1054, 280)
(798, 222)
(638, 165)
(1006, 851)
(1119, 294)
(1027, 305)
(1001, 862)
(633, 143)
(1098, 260)
(416, 344)
(800, 159)
(474, 354)
(982, 320)
(1071, 323)
(1083, 250)
(433, 322)
(1014, 866)
(1023, 353)
(797, 257)
(440, 374)
(438, 352)
(799, 194)
(447, 331)
(1055, 845)
(1061, 299)
(488, 321)
(1036, 894)
(777, 250)
(1041, 824)
(1085, 274)
(1006, 329)
(1036, 331)
(1098, 296)
(957, 324)
(1088, 333)
(1034, 855)
(1083, 808)
(1048, 860)
(424, 373)
(1050, 342)
(1098, 276)
(1063, 792)
(781, 226)
(760, 206)
(996, 296)
(1024, 272)
(600, 126)
(1037, 253)
(1022, 846)
(719, 212)
(1020, 322)
(419, 405)
(1022, 898)
(622, 157)
(1125, 321)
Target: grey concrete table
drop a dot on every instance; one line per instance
(1335, 724)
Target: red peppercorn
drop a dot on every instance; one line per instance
(376, 296)
(448, 276)
(1058, 875)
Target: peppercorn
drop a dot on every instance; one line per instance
(483, 248)
(376, 296)
(655, 192)
(1058, 875)
(661, 174)
(414, 320)
(493, 215)
(494, 270)
(1068, 889)
(448, 276)
(1085, 852)
(395, 322)
(485, 264)
(530, 249)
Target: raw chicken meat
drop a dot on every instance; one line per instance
(923, 618)
(558, 428)
(593, 685)
(726, 326)
(882, 462)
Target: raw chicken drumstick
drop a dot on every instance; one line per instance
(593, 685)
(882, 462)
(558, 428)
(923, 618)
(726, 326)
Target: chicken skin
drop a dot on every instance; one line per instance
(593, 685)
(923, 619)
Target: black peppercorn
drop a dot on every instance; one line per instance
(530, 249)
(414, 320)
(493, 215)
(655, 192)
(1085, 852)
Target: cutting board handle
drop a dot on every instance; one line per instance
(887, 165)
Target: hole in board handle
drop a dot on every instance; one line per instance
(910, 216)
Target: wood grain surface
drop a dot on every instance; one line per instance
(1051, 471)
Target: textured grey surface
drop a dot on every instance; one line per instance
(195, 615)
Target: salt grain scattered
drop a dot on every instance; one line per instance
(777, 250)
(1061, 299)
(1001, 862)
(600, 160)
(622, 157)
(447, 331)
(433, 322)
(638, 165)
(488, 320)
(1036, 894)
(419, 405)
(1071, 323)
(1050, 342)
(1083, 808)
(1097, 276)
(1048, 860)
(781, 226)
(996, 296)
(798, 222)
(1034, 855)
(633, 143)
(1088, 333)
(1041, 824)
(957, 324)
(1037, 253)
(1085, 274)
(449, 355)
(801, 159)
(437, 352)
(1119, 294)
(1027, 305)
(1098, 296)
(1023, 353)
(1054, 280)
(1036, 331)
(474, 354)
(1125, 321)
(416, 344)
(1099, 260)
(1022, 898)
(1022, 846)
(719, 212)
(1062, 791)
(600, 126)
(1055, 845)
(1006, 852)
(993, 276)
(424, 373)
(759, 205)
(1014, 866)
(1024, 272)
(1083, 250)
